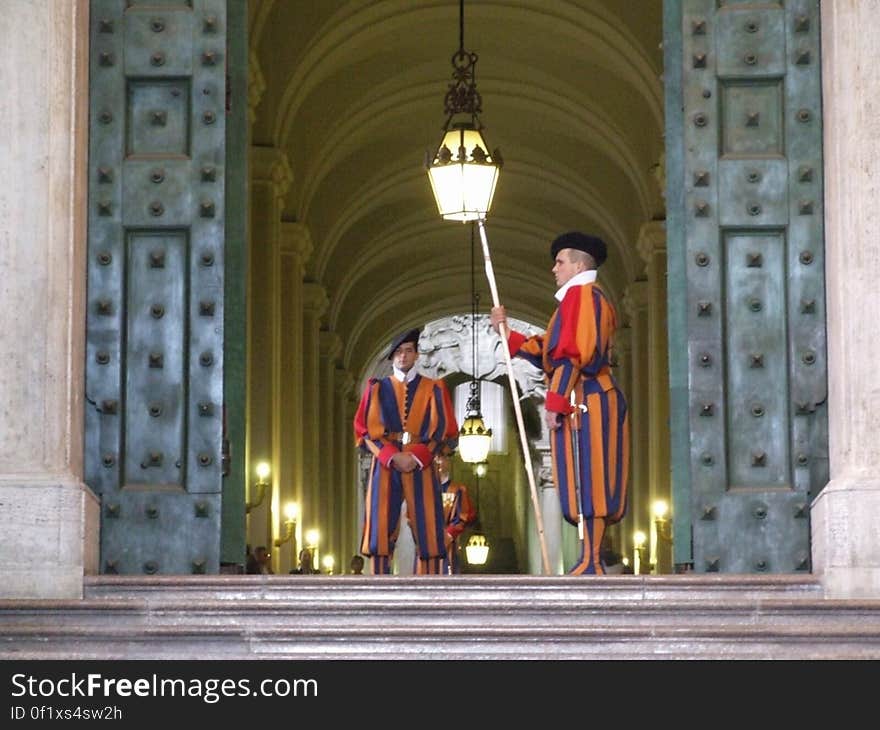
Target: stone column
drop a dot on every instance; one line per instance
(636, 303)
(846, 514)
(551, 514)
(363, 471)
(344, 489)
(296, 247)
(622, 362)
(330, 432)
(652, 248)
(49, 519)
(314, 305)
(270, 180)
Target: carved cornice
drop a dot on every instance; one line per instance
(635, 298)
(256, 85)
(296, 240)
(315, 299)
(651, 240)
(269, 164)
(659, 170)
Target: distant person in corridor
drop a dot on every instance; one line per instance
(458, 511)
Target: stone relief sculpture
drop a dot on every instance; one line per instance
(446, 347)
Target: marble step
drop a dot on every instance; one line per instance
(472, 617)
(442, 611)
(387, 641)
(465, 587)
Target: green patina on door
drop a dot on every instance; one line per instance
(746, 281)
(155, 322)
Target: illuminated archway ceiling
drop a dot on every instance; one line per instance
(572, 95)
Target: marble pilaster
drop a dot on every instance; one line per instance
(846, 513)
(271, 177)
(651, 245)
(296, 248)
(315, 303)
(329, 347)
(343, 514)
(49, 518)
(635, 303)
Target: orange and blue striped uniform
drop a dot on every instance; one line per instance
(388, 410)
(590, 450)
(459, 512)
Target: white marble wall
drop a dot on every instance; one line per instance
(49, 520)
(846, 515)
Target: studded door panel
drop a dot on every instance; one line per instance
(755, 284)
(154, 374)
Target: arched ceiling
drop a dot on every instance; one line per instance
(572, 95)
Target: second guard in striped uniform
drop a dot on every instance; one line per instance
(404, 420)
(586, 412)
(458, 510)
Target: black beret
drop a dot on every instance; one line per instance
(592, 245)
(408, 336)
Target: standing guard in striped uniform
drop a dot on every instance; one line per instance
(586, 411)
(404, 420)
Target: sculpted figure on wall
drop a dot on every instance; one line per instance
(446, 347)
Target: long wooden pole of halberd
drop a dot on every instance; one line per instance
(527, 458)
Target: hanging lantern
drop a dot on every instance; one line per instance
(463, 176)
(477, 550)
(474, 438)
(462, 172)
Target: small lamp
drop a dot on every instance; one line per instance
(291, 516)
(660, 510)
(312, 538)
(661, 536)
(328, 562)
(263, 471)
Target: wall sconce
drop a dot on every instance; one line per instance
(639, 540)
(660, 511)
(481, 468)
(291, 516)
(477, 550)
(328, 562)
(261, 487)
(661, 536)
(312, 538)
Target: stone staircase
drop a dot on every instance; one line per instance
(699, 616)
